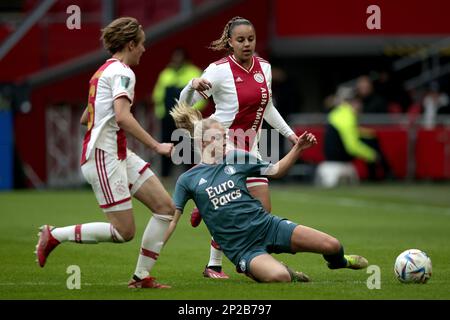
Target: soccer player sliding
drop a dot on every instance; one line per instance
(241, 86)
(238, 222)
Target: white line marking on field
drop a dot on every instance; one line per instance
(385, 205)
(60, 284)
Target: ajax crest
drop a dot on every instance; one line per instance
(258, 77)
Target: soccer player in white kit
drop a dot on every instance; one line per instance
(114, 172)
(240, 85)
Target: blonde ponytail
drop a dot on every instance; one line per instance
(185, 117)
(190, 119)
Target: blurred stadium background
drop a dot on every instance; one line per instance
(313, 46)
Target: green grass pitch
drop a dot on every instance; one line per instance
(377, 221)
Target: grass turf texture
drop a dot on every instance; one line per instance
(376, 221)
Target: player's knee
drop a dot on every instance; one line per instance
(165, 208)
(127, 234)
(332, 245)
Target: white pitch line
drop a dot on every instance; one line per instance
(61, 284)
(358, 203)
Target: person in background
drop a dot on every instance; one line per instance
(434, 103)
(372, 102)
(344, 140)
(171, 81)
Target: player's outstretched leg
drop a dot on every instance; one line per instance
(50, 237)
(213, 269)
(45, 245)
(265, 268)
(305, 239)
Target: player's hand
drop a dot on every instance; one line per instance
(305, 141)
(293, 139)
(201, 84)
(164, 149)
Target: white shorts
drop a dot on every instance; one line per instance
(115, 181)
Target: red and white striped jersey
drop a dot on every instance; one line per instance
(243, 98)
(112, 80)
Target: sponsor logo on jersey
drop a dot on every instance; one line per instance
(223, 193)
(258, 77)
(238, 79)
(202, 181)
(124, 81)
(229, 170)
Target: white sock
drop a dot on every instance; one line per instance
(152, 242)
(215, 255)
(88, 233)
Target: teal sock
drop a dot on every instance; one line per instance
(336, 260)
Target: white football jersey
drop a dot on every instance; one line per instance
(243, 98)
(111, 81)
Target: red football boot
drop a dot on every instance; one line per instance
(147, 282)
(45, 245)
(196, 217)
(211, 273)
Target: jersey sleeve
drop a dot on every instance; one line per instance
(181, 194)
(273, 117)
(122, 83)
(248, 164)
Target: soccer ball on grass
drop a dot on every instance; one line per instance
(413, 266)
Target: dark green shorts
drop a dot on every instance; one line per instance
(277, 240)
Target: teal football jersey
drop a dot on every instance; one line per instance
(233, 217)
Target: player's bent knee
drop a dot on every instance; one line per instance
(164, 217)
(165, 208)
(127, 234)
(332, 245)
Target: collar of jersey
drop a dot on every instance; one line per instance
(240, 66)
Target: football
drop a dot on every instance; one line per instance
(413, 266)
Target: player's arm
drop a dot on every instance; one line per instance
(199, 88)
(280, 168)
(181, 195)
(273, 117)
(126, 121)
(173, 225)
(193, 91)
(84, 117)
